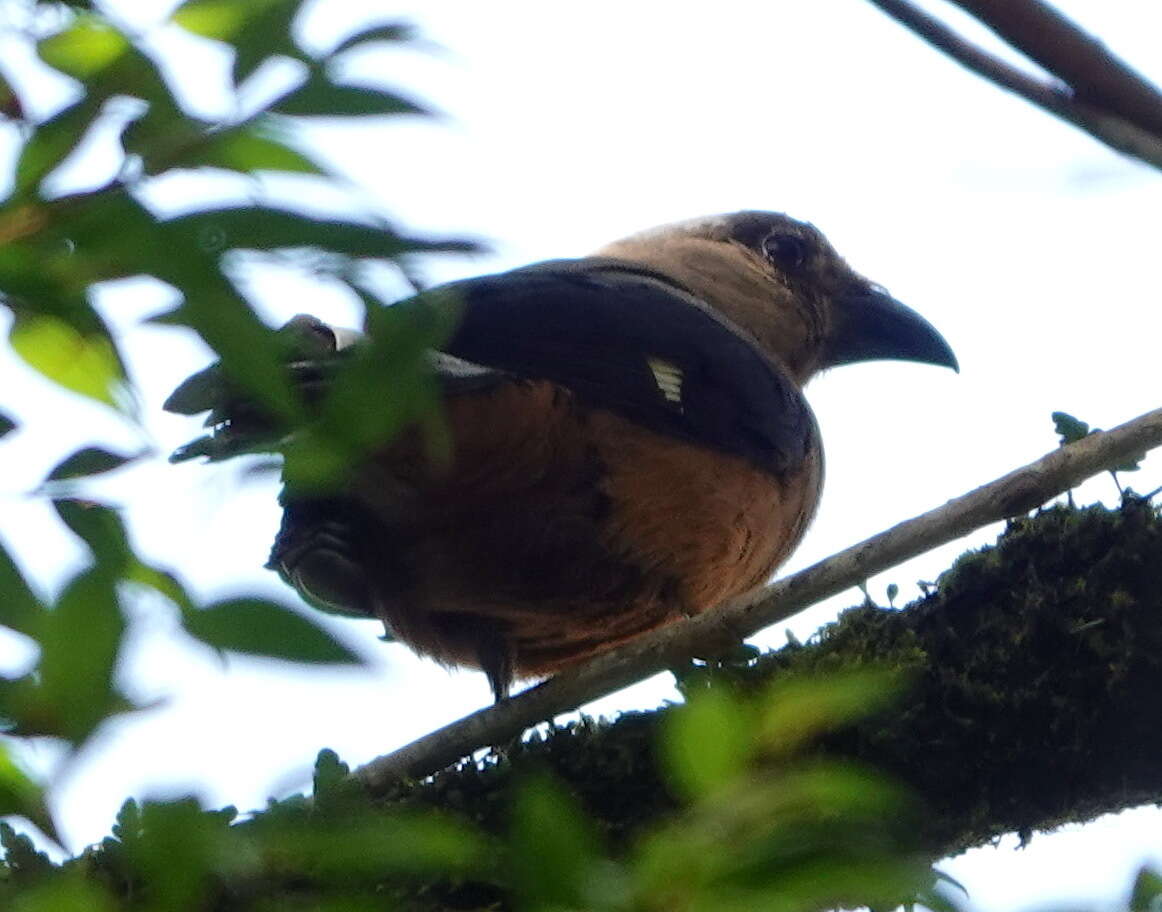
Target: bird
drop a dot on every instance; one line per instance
(629, 445)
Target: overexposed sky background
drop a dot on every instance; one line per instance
(1030, 246)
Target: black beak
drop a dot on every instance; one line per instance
(870, 324)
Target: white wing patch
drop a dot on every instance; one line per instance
(668, 377)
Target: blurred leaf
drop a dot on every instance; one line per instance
(78, 227)
(216, 19)
(91, 460)
(251, 356)
(80, 639)
(20, 608)
(70, 893)
(127, 823)
(11, 107)
(318, 97)
(21, 796)
(267, 228)
(264, 628)
(893, 591)
(84, 364)
(249, 148)
(707, 743)
(257, 30)
(553, 848)
(389, 31)
(798, 839)
(385, 386)
(100, 527)
(52, 141)
(21, 857)
(795, 712)
(163, 138)
(1147, 891)
(178, 849)
(266, 32)
(83, 49)
(161, 582)
(330, 772)
(1071, 429)
(422, 844)
(7, 425)
(106, 62)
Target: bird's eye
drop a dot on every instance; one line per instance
(785, 250)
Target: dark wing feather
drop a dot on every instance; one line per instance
(595, 326)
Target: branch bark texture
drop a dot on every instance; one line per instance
(1014, 494)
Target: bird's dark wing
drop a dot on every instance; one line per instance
(619, 335)
(629, 339)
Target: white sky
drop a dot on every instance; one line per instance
(1031, 247)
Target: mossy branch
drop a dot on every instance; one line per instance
(1035, 670)
(1014, 494)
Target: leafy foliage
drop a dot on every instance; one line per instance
(776, 829)
(60, 241)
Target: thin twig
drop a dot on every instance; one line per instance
(1057, 98)
(1097, 76)
(1015, 493)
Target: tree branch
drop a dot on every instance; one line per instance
(1091, 110)
(1096, 76)
(1032, 688)
(1018, 492)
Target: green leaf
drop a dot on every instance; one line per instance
(391, 32)
(219, 20)
(85, 48)
(405, 843)
(179, 850)
(319, 97)
(247, 149)
(52, 141)
(554, 849)
(67, 893)
(250, 352)
(266, 228)
(160, 581)
(330, 772)
(163, 138)
(72, 690)
(264, 628)
(257, 29)
(101, 528)
(21, 857)
(20, 608)
(22, 796)
(266, 33)
(797, 711)
(1147, 890)
(7, 425)
(1071, 429)
(384, 387)
(91, 460)
(84, 364)
(79, 225)
(708, 743)
(11, 107)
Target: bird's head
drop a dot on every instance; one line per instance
(785, 284)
